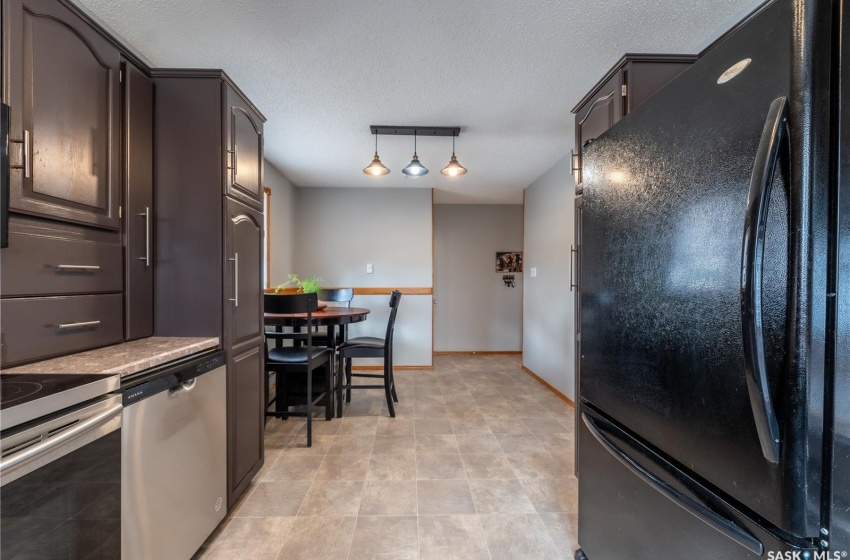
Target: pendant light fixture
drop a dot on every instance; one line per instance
(376, 167)
(414, 168)
(453, 169)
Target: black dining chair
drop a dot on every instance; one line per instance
(335, 295)
(293, 365)
(369, 347)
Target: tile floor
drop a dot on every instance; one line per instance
(477, 464)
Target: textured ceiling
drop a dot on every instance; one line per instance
(507, 71)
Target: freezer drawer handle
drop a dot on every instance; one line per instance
(701, 511)
(752, 259)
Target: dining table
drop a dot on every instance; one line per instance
(330, 317)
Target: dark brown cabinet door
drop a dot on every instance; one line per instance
(138, 197)
(597, 116)
(244, 287)
(65, 96)
(244, 341)
(245, 419)
(244, 151)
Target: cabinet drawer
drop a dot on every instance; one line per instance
(36, 265)
(39, 328)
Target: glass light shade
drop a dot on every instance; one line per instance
(454, 168)
(414, 168)
(376, 167)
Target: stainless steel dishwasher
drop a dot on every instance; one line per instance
(173, 459)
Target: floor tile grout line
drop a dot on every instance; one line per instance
(418, 529)
(283, 542)
(353, 532)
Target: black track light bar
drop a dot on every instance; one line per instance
(416, 130)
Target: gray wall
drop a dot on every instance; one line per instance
(341, 230)
(282, 213)
(548, 310)
(475, 311)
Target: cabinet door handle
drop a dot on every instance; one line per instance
(232, 165)
(27, 154)
(67, 326)
(147, 216)
(235, 298)
(91, 267)
(26, 157)
(573, 251)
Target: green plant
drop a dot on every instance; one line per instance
(312, 285)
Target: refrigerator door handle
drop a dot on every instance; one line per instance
(701, 511)
(752, 259)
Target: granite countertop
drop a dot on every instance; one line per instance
(126, 358)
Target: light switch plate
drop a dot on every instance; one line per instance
(369, 269)
(534, 272)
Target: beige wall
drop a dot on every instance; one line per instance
(341, 230)
(548, 307)
(475, 311)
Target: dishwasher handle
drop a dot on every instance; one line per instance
(183, 388)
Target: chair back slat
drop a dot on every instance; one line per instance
(395, 299)
(290, 303)
(337, 295)
(294, 303)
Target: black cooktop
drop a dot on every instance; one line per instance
(20, 388)
(25, 397)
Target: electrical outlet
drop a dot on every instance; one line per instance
(369, 269)
(534, 272)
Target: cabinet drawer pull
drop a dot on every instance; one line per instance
(66, 326)
(78, 267)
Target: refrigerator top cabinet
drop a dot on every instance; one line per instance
(704, 273)
(626, 85)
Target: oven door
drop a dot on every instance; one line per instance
(60, 485)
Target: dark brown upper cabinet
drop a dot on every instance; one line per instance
(63, 87)
(138, 203)
(244, 151)
(626, 85)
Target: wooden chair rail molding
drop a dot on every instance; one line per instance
(370, 291)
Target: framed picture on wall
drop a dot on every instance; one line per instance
(509, 261)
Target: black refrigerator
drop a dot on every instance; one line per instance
(714, 410)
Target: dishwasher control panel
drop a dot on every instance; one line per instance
(210, 364)
(170, 378)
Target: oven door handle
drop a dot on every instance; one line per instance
(10, 464)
